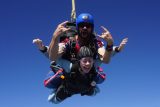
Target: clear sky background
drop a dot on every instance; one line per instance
(133, 76)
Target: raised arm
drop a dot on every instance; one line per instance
(53, 47)
(105, 53)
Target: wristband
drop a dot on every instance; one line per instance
(116, 49)
(109, 48)
(44, 50)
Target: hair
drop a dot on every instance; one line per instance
(85, 52)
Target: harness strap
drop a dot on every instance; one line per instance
(51, 78)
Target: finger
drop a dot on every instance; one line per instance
(39, 41)
(34, 41)
(99, 36)
(105, 29)
(65, 29)
(123, 43)
(125, 39)
(64, 23)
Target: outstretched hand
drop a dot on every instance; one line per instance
(39, 43)
(106, 36)
(122, 44)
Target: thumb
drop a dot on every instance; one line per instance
(34, 41)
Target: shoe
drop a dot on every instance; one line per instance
(52, 98)
(95, 91)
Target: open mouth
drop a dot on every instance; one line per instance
(84, 34)
(87, 69)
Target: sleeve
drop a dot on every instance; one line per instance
(100, 77)
(100, 43)
(97, 63)
(65, 64)
(45, 51)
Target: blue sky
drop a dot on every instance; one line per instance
(133, 76)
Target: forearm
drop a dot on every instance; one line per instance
(100, 78)
(53, 48)
(108, 52)
(105, 55)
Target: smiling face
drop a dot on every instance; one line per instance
(86, 64)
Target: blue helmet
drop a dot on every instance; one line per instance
(85, 18)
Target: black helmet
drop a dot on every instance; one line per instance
(85, 52)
